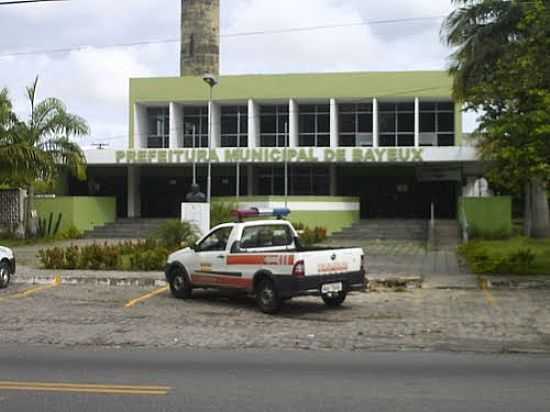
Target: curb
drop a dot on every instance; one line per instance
(93, 281)
(409, 282)
(513, 283)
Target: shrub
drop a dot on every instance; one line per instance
(71, 233)
(220, 212)
(72, 257)
(148, 255)
(46, 228)
(484, 260)
(175, 234)
(311, 236)
(52, 258)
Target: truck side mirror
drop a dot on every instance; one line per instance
(236, 247)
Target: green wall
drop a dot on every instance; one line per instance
(334, 221)
(487, 217)
(84, 213)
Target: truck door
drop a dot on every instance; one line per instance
(212, 255)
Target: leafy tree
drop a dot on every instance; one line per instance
(501, 70)
(37, 148)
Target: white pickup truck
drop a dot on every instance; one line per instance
(265, 258)
(7, 266)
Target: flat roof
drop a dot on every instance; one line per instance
(305, 86)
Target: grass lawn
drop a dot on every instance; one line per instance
(494, 256)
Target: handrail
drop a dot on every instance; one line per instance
(465, 226)
(431, 228)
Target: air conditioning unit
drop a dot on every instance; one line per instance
(428, 139)
(363, 139)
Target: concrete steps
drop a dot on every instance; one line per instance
(126, 228)
(446, 235)
(385, 229)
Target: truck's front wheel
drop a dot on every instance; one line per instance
(335, 299)
(267, 297)
(5, 274)
(180, 286)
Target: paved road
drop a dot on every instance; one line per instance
(270, 381)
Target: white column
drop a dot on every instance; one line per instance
(140, 126)
(333, 123)
(176, 126)
(333, 180)
(134, 195)
(293, 131)
(375, 132)
(253, 124)
(216, 125)
(416, 122)
(250, 180)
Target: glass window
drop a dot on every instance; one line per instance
(314, 125)
(355, 122)
(216, 241)
(396, 124)
(445, 122)
(273, 125)
(234, 124)
(195, 126)
(266, 236)
(437, 119)
(158, 127)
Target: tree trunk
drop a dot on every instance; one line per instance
(28, 212)
(527, 215)
(539, 207)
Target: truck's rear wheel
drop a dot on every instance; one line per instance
(5, 275)
(267, 297)
(180, 286)
(335, 299)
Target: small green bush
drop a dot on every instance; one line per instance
(71, 233)
(311, 236)
(220, 212)
(174, 234)
(484, 260)
(52, 258)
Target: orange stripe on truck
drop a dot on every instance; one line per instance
(220, 280)
(272, 260)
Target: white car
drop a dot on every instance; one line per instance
(267, 259)
(7, 266)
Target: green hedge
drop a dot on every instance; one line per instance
(517, 256)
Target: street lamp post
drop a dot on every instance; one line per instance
(211, 81)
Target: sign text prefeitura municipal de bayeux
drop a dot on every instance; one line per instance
(270, 155)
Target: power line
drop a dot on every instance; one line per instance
(227, 35)
(8, 3)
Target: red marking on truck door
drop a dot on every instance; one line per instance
(271, 260)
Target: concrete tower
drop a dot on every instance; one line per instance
(200, 37)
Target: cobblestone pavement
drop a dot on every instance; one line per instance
(432, 320)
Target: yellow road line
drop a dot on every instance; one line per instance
(85, 385)
(489, 297)
(85, 388)
(135, 301)
(33, 290)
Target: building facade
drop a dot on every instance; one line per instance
(387, 144)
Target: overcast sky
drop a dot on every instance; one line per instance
(93, 81)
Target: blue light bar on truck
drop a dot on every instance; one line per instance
(279, 212)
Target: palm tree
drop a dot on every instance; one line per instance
(483, 33)
(36, 149)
